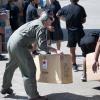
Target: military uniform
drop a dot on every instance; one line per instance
(19, 54)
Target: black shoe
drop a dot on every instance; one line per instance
(7, 91)
(75, 67)
(83, 79)
(3, 58)
(48, 53)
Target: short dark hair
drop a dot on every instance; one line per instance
(31, 0)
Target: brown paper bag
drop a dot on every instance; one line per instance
(54, 68)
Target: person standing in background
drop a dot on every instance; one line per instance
(25, 5)
(31, 12)
(3, 17)
(74, 15)
(14, 14)
(87, 44)
(54, 6)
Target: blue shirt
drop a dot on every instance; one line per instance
(31, 13)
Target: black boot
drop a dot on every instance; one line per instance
(7, 91)
(75, 67)
(3, 57)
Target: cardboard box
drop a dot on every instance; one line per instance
(54, 68)
(89, 62)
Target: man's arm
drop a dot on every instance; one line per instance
(42, 41)
(61, 14)
(83, 20)
(97, 50)
(96, 56)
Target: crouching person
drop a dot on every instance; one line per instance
(88, 44)
(20, 56)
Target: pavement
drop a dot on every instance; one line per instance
(77, 90)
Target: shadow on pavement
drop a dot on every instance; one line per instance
(97, 88)
(58, 96)
(70, 96)
(17, 97)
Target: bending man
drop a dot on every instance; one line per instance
(19, 54)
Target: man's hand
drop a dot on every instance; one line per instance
(95, 66)
(51, 28)
(60, 52)
(54, 50)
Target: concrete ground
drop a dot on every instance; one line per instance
(77, 90)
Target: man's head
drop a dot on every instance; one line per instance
(46, 19)
(10, 1)
(35, 1)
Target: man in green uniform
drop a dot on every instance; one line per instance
(19, 54)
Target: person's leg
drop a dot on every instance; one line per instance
(8, 74)
(49, 42)
(72, 52)
(58, 43)
(9, 71)
(72, 45)
(84, 78)
(7, 77)
(73, 55)
(28, 70)
(86, 48)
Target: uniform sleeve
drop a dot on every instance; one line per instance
(42, 40)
